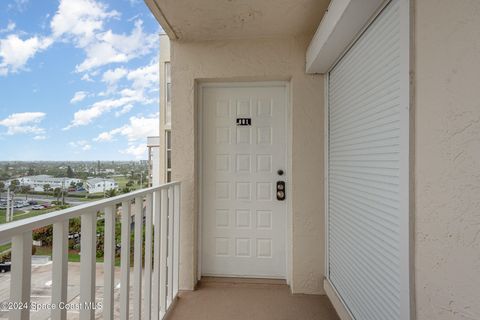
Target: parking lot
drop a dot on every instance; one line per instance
(42, 289)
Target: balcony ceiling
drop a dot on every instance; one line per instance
(237, 19)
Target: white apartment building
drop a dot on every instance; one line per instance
(37, 183)
(97, 185)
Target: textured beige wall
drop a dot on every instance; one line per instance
(261, 59)
(447, 159)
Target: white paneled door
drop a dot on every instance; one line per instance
(244, 146)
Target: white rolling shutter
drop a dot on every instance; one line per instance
(365, 159)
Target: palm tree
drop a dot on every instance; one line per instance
(57, 192)
(111, 193)
(46, 187)
(25, 190)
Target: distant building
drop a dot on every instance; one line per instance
(98, 185)
(37, 183)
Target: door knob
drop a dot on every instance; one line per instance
(280, 172)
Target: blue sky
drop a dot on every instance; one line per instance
(78, 79)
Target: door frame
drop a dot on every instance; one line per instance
(407, 140)
(200, 85)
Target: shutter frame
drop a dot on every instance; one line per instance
(401, 307)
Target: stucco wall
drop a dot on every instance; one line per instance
(261, 59)
(447, 159)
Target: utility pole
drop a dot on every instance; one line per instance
(7, 212)
(63, 191)
(12, 202)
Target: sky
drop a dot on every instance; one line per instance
(78, 79)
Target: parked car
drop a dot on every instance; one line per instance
(5, 267)
(37, 207)
(32, 202)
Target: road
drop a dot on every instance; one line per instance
(71, 200)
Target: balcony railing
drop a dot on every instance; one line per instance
(154, 211)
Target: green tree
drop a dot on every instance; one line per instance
(46, 187)
(44, 234)
(75, 225)
(25, 190)
(126, 190)
(70, 172)
(31, 172)
(57, 193)
(14, 185)
(111, 193)
(2, 188)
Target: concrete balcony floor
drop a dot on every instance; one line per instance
(252, 299)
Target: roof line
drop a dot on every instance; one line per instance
(161, 18)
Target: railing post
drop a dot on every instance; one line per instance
(125, 262)
(59, 269)
(20, 281)
(170, 246)
(163, 252)
(88, 250)
(147, 296)
(137, 258)
(176, 240)
(109, 263)
(156, 257)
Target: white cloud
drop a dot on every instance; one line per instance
(85, 116)
(112, 76)
(143, 80)
(124, 110)
(104, 136)
(138, 128)
(40, 137)
(83, 23)
(114, 48)
(80, 20)
(138, 151)
(145, 77)
(15, 52)
(87, 77)
(10, 27)
(25, 122)
(19, 5)
(79, 96)
(81, 144)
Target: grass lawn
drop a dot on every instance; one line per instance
(4, 247)
(19, 215)
(122, 183)
(73, 255)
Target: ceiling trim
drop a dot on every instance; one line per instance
(158, 13)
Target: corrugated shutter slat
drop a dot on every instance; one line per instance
(364, 161)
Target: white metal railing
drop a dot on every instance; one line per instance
(156, 209)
